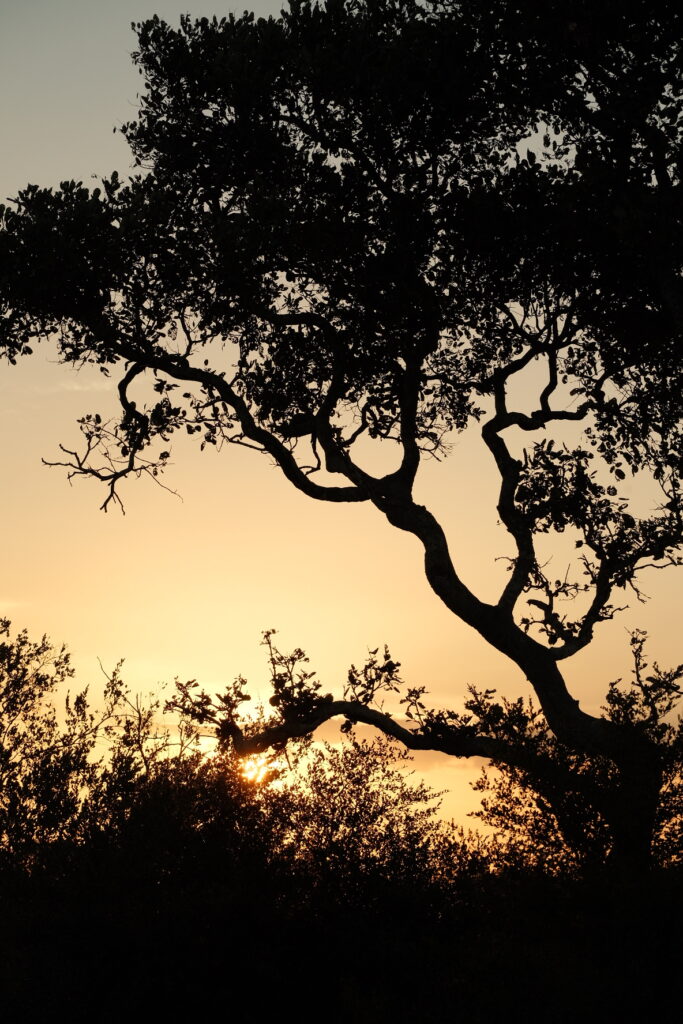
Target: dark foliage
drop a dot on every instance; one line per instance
(133, 789)
(551, 821)
(180, 882)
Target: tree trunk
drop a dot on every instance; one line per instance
(632, 819)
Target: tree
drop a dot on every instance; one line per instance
(363, 223)
(46, 765)
(541, 821)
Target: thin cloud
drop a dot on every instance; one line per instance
(72, 384)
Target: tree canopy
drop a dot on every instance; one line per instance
(359, 226)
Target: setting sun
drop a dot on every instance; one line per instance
(259, 768)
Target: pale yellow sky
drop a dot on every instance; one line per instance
(186, 587)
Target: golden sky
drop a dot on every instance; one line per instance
(185, 587)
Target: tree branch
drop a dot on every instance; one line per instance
(178, 368)
(452, 741)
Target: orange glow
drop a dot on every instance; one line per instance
(256, 768)
(260, 769)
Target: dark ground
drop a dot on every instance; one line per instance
(104, 946)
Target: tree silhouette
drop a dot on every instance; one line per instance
(364, 224)
(541, 821)
(47, 753)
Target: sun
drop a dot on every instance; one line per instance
(259, 768)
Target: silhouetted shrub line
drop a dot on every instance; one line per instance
(161, 855)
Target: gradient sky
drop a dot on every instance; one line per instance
(185, 587)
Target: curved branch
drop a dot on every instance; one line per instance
(337, 455)
(510, 468)
(515, 523)
(178, 368)
(603, 583)
(453, 741)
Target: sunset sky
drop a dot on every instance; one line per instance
(184, 586)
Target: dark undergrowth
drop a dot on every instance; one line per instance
(142, 878)
(103, 942)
